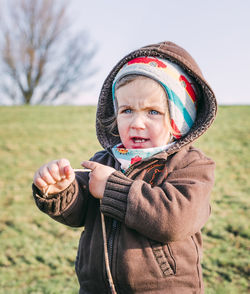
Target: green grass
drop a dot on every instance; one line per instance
(37, 254)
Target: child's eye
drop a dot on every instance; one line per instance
(127, 111)
(154, 112)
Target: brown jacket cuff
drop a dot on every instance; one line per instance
(114, 202)
(55, 204)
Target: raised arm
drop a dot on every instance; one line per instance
(67, 192)
(178, 208)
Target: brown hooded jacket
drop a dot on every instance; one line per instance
(153, 212)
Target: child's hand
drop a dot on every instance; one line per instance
(98, 177)
(56, 175)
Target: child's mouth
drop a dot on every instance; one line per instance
(139, 140)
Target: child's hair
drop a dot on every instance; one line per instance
(112, 124)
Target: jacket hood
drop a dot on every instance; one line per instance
(206, 104)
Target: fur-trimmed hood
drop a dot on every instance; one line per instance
(206, 104)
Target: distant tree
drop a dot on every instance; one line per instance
(40, 57)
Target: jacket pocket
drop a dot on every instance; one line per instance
(164, 257)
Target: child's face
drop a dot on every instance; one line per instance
(142, 116)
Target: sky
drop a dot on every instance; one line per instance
(215, 32)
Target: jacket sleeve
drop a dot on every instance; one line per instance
(178, 208)
(68, 207)
(71, 205)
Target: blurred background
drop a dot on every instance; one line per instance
(54, 57)
(95, 35)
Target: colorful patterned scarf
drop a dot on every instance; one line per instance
(127, 157)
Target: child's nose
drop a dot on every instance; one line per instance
(138, 122)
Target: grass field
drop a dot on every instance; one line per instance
(37, 254)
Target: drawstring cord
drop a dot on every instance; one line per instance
(106, 257)
(104, 235)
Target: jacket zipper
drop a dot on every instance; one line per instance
(114, 227)
(114, 224)
(111, 241)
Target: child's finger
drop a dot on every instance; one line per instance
(62, 163)
(54, 171)
(39, 182)
(89, 164)
(69, 172)
(46, 176)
